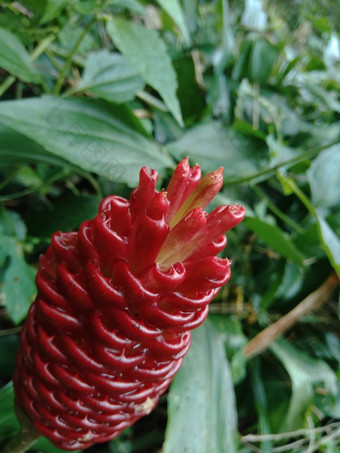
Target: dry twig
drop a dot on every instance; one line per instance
(313, 301)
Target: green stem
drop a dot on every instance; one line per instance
(287, 163)
(281, 215)
(60, 52)
(6, 84)
(151, 100)
(301, 196)
(69, 59)
(53, 60)
(41, 47)
(22, 441)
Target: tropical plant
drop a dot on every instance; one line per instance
(92, 91)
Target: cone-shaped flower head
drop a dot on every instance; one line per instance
(116, 302)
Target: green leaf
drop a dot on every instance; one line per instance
(11, 224)
(213, 145)
(65, 214)
(15, 59)
(330, 241)
(18, 288)
(275, 238)
(240, 69)
(291, 281)
(262, 59)
(53, 10)
(189, 95)
(147, 53)
(261, 404)
(201, 402)
(16, 149)
(174, 10)
(73, 31)
(324, 178)
(9, 424)
(110, 76)
(231, 330)
(304, 372)
(92, 6)
(101, 138)
(132, 5)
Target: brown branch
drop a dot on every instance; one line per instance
(312, 302)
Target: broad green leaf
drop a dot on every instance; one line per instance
(190, 12)
(275, 238)
(175, 11)
(8, 421)
(18, 287)
(304, 372)
(189, 95)
(201, 402)
(73, 31)
(212, 145)
(18, 149)
(132, 5)
(90, 6)
(65, 214)
(291, 281)
(324, 178)
(98, 137)
(240, 69)
(11, 224)
(15, 59)
(110, 76)
(147, 53)
(330, 241)
(261, 404)
(274, 280)
(231, 330)
(53, 10)
(262, 59)
(86, 7)
(224, 52)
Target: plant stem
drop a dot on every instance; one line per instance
(22, 441)
(285, 218)
(272, 170)
(313, 301)
(69, 59)
(152, 100)
(301, 196)
(306, 432)
(8, 82)
(41, 47)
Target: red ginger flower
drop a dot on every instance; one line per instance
(116, 302)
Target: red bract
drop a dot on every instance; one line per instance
(116, 302)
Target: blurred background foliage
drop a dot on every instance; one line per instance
(91, 91)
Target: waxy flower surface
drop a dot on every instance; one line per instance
(116, 302)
